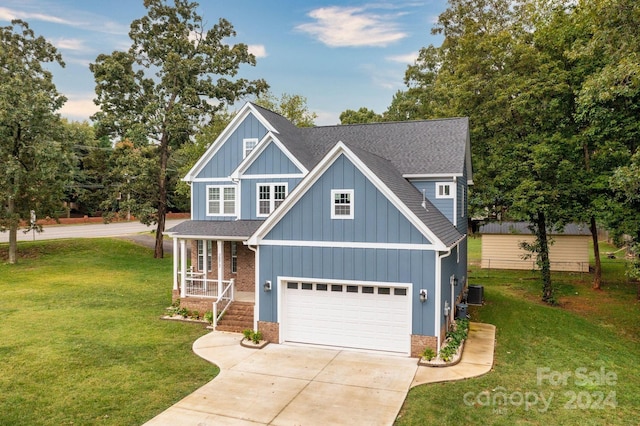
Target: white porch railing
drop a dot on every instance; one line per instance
(221, 305)
(197, 285)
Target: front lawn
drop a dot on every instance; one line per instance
(577, 364)
(81, 341)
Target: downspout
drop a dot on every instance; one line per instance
(256, 300)
(455, 203)
(438, 310)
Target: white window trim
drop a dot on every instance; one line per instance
(451, 189)
(351, 203)
(233, 257)
(221, 201)
(205, 248)
(244, 146)
(271, 193)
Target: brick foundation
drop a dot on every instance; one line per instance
(270, 331)
(419, 343)
(199, 304)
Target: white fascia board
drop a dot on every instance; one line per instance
(432, 176)
(244, 112)
(262, 145)
(348, 244)
(339, 149)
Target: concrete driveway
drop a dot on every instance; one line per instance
(293, 385)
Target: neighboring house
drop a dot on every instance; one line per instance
(501, 247)
(348, 236)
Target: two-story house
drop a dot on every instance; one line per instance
(349, 236)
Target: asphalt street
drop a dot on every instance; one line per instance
(116, 229)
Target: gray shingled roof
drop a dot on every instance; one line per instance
(410, 196)
(413, 147)
(522, 228)
(229, 230)
(390, 150)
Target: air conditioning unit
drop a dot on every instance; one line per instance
(476, 295)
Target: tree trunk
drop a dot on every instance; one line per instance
(543, 260)
(13, 232)
(162, 196)
(597, 275)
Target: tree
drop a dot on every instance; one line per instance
(90, 177)
(363, 115)
(292, 107)
(36, 161)
(494, 68)
(174, 76)
(605, 54)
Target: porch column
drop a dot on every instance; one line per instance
(205, 266)
(183, 268)
(175, 263)
(220, 265)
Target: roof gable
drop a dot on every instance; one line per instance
(247, 110)
(388, 183)
(269, 150)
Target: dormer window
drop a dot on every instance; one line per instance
(248, 145)
(444, 190)
(342, 204)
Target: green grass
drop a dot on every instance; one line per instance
(593, 331)
(81, 341)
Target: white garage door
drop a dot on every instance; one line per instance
(345, 315)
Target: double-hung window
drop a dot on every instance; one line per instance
(248, 145)
(234, 257)
(221, 200)
(342, 204)
(444, 190)
(270, 196)
(201, 254)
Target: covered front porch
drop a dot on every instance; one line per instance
(211, 264)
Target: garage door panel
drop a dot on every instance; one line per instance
(365, 320)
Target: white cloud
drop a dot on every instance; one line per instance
(79, 107)
(258, 50)
(9, 14)
(338, 26)
(82, 20)
(70, 44)
(408, 58)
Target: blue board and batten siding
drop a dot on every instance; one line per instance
(376, 221)
(351, 264)
(230, 154)
(429, 188)
(272, 161)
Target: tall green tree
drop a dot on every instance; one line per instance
(175, 75)
(35, 159)
(605, 57)
(493, 68)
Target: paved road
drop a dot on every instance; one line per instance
(118, 229)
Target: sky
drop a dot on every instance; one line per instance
(338, 54)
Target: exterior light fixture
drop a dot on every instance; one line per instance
(267, 286)
(423, 295)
